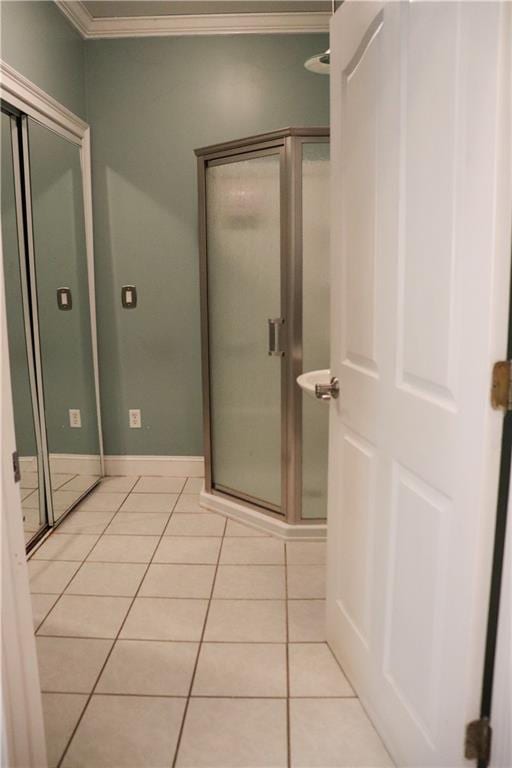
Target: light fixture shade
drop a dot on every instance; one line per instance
(319, 64)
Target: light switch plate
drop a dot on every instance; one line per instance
(129, 296)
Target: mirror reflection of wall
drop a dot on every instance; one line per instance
(50, 342)
(24, 406)
(60, 258)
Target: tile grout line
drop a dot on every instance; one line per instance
(66, 585)
(288, 734)
(192, 680)
(37, 560)
(114, 641)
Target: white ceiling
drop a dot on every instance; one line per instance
(138, 8)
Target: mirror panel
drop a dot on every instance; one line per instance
(23, 393)
(60, 262)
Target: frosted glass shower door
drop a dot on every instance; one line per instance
(243, 231)
(315, 323)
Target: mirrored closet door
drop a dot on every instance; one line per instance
(48, 299)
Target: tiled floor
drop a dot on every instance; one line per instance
(170, 636)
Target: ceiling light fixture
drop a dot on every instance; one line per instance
(321, 63)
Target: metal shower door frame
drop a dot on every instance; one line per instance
(288, 143)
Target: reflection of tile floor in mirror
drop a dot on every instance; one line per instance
(168, 635)
(66, 487)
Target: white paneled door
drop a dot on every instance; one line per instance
(421, 204)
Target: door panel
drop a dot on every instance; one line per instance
(243, 230)
(419, 282)
(22, 375)
(60, 261)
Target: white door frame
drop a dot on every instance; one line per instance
(22, 736)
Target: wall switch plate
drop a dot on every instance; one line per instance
(75, 418)
(129, 296)
(134, 419)
(64, 299)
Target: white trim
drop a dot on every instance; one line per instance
(74, 463)
(17, 90)
(163, 466)
(261, 521)
(307, 22)
(21, 715)
(21, 93)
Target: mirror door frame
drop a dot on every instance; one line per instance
(21, 96)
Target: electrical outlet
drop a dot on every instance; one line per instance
(134, 419)
(75, 418)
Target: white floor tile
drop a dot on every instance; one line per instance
(63, 500)
(150, 502)
(252, 621)
(29, 480)
(252, 551)
(194, 485)
(70, 664)
(335, 733)
(157, 618)
(305, 552)
(77, 482)
(86, 522)
(196, 525)
(160, 485)
(61, 712)
(306, 581)
(306, 621)
(117, 484)
(126, 731)
(234, 733)
(178, 581)
(97, 501)
(124, 549)
(250, 582)
(85, 616)
(62, 480)
(50, 577)
(315, 672)
(107, 579)
(246, 669)
(66, 546)
(189, 503)
(138, 523)
(149, 667)
(188, 549)
(41, 605)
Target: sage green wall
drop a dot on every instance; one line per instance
(150, 102)
(38, 41)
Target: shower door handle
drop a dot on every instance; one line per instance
(274, 336)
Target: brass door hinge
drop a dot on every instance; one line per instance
(478, 740)
(501, 392)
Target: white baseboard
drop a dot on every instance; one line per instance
(163, 466)
(75, 463)
(28, 464)
(261, 521)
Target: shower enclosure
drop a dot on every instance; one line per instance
(264, 245)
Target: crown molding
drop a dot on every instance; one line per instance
(199, 24)
(77, 14)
